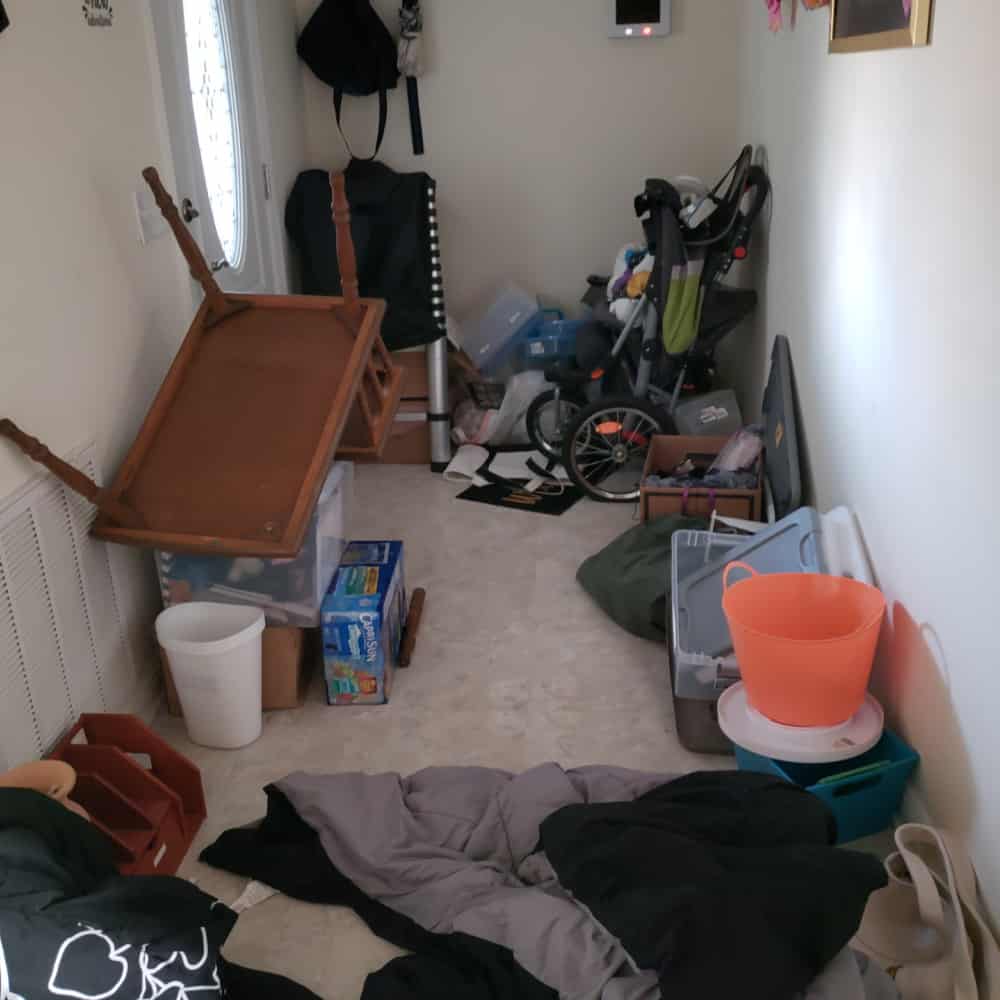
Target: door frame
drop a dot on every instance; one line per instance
(257, 148)
(274, 228)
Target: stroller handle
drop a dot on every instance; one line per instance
(657, 194)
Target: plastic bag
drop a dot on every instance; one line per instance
(741, 451)
(506, 425)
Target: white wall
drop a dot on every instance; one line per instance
(880, 268)
(89, 320)
(540, 130)
(284, 110)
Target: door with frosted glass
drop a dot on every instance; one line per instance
(206, 54)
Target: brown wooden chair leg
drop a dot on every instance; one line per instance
(413, 617)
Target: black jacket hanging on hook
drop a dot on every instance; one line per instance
(347, 46)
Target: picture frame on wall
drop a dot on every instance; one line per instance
(867, 25)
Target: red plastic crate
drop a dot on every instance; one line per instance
(150, 813)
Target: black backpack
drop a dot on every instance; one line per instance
(348, 47)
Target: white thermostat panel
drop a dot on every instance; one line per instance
(639, 18)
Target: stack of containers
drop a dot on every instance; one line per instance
(290, 592)
(514, 333)
(859, 769)
(704, 664)
(489, 337)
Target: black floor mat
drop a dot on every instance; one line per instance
(514, 498)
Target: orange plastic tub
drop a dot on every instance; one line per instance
(805, 643)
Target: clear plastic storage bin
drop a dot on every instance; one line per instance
(290, 591)
(704, 662)
(487, 338)
(696, 675)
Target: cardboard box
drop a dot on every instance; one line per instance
(666, 452)
(286, 666)
(409, 437)
(416, 384)
(363, 616)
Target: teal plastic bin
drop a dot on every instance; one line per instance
(864, 803)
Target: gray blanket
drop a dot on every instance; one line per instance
(455, 849)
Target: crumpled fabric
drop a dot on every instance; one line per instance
(710, 481)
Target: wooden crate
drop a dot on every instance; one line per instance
(409, 441)
(666, 452)
(150, 814)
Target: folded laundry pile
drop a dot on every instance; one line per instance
(71, 926)
(598, 883)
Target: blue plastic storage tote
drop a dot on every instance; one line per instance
(864, 803)
(554, 340)
(533, 338)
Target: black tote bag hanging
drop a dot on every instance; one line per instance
(347, 46)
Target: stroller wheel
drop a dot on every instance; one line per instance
(605, 450)
(548, 420)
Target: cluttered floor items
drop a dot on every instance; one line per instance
(597, 882)
(770, 629)
(535, 881)
(593, 392)
(512, 477)
(231, 481)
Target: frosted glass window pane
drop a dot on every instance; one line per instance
(213, 96)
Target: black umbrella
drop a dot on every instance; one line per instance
(411, 26)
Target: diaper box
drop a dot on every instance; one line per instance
(362, 616)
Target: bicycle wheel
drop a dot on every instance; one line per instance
(548, 420)
(605, 450)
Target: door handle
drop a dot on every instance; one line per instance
(188, 212)
(218, 265)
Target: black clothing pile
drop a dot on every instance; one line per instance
(70, 925)
(726, 884)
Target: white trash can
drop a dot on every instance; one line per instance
(214, 651)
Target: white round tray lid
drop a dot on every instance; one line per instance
(747, 728)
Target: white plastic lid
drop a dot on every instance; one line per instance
(747, 728)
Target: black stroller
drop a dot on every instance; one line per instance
(603, 443)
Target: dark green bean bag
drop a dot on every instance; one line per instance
(630, 578)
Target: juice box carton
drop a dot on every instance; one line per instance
(362, 616)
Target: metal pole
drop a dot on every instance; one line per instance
(439, 419)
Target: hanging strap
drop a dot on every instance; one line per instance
(411, 25)
(383, 117)
(416, 122)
